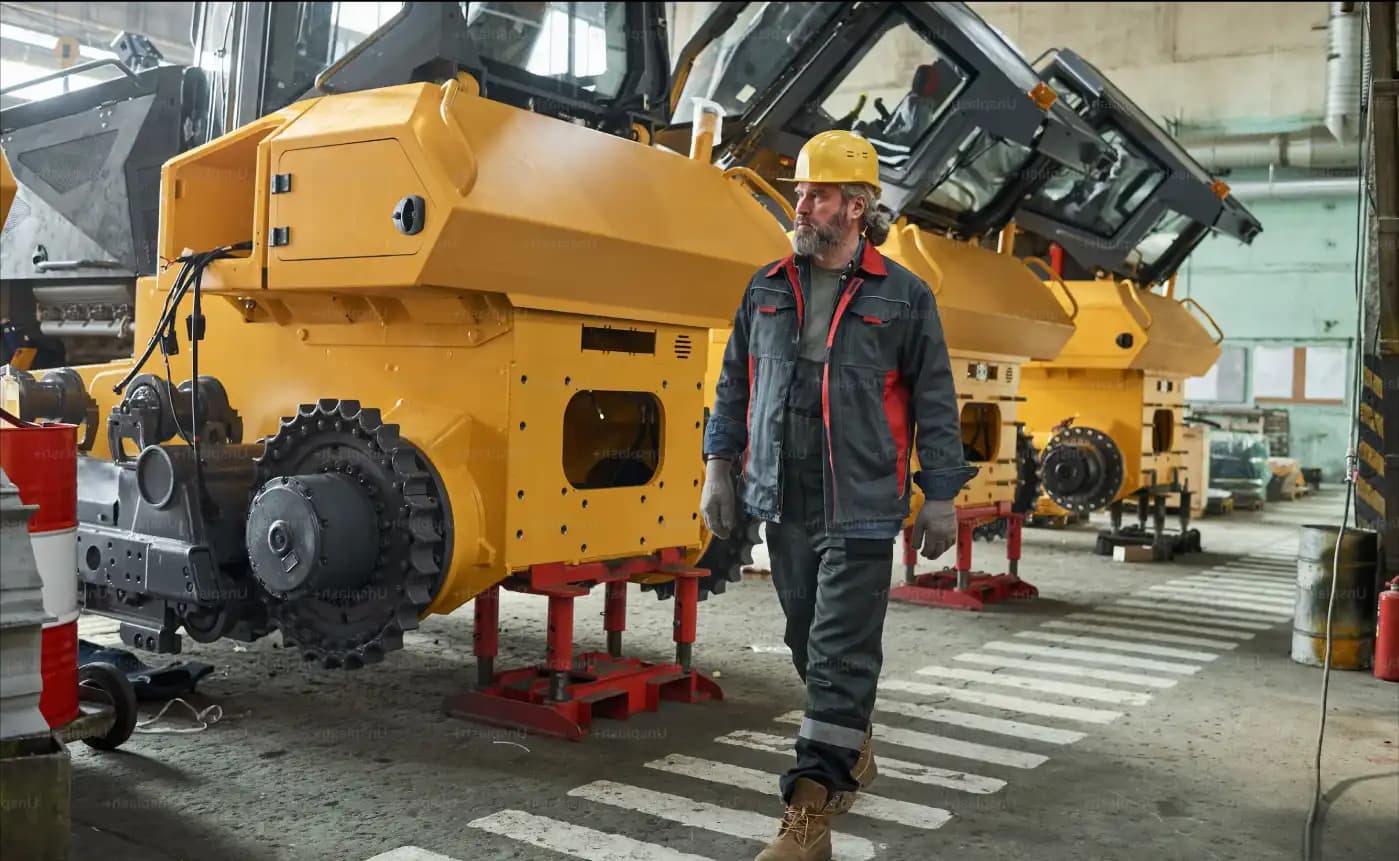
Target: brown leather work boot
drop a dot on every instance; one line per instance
(864, 772)
(805, 833)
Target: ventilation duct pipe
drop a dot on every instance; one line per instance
(1344, 58)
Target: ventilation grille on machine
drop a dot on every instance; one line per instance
(682, 346)
(68, 165)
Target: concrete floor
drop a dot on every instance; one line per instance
(1150, 740)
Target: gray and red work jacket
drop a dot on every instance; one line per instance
(887, 385)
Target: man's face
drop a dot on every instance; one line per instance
(824, 217)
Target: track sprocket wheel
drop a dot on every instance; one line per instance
(350, 626)
(1027, 486)
(723, 558)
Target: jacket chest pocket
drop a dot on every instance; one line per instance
(870, 332)
(773, 326)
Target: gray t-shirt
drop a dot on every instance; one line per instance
(822, 288)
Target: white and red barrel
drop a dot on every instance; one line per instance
(41, 461)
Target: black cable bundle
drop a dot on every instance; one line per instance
(164, 335)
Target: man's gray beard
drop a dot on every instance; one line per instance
(809, 241)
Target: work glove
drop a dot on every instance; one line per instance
(717, 502)
(935, 528)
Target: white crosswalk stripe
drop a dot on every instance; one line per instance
(866, 804)
(711, 817)
(1057, 669)
(960, 781)
(1252, 585)
(578, 841)
(1122, 645)
(1014, 728)
(1093, 657)
(1182, 614)
(416, 853)
(934, 743)
(1138, 633)
(1239, 595)
(1146, 622)
(1049, 686)
(1003, 701)
(1266, 575)
(1248, 585)
(1194, 608)
(1247, 609)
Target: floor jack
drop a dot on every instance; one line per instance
(1165, 545)
(960, 588)
(561, 697)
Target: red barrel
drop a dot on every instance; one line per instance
(41, 460)
(1387, 635)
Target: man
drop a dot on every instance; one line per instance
(836, 355)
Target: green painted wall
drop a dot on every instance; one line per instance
(1294, 286)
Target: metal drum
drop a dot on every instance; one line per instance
(1353, 619)
(41, 460)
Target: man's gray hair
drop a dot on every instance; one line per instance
(875, 223)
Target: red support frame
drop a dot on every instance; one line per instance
(562, 696)
(960, 588)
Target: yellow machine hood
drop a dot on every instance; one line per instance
(1122, 326)
(506, 202)
(989, 302)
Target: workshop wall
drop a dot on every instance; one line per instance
(1295, 286)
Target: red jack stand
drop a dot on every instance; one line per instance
(561, 697)
(960, 588)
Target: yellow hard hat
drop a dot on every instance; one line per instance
(837, 156)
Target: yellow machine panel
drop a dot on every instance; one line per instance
(1108, 413)
(996, 314)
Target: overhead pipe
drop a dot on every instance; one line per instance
(1332, 143)
(1344, 56)
(1312, 150)
(1296, 189)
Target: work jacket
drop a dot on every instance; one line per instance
(887, 385)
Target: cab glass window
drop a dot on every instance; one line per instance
(751, 55)
(980, 168)
(893, 95)
(582, 45)
(1163, 234)
(1101, 205)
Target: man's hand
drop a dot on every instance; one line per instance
(717, 503)
(935, 528)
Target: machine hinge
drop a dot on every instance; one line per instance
(279, 236)
(281, 183)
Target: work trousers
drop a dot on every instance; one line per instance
(834, 592)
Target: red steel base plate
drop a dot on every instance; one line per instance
(600, 686)
(940, 590)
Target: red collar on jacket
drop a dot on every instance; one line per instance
(871, 262)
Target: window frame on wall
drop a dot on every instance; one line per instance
(1240, 387)
(1299, 375)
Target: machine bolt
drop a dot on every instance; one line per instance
(277, 538)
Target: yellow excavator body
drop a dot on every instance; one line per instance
(531, 302)
(1123, 373)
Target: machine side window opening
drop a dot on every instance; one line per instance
(981, 432)
(751, 56)
(611, 439)
(1163, 431)
(581, 44)
(1101, 206)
